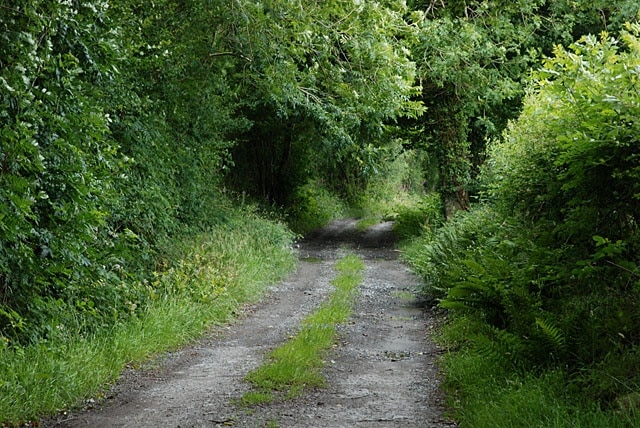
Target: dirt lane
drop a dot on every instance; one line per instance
(381, 374)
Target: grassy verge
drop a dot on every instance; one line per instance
(483, 393)
(296, 364)
(216, 273)
(497, 378)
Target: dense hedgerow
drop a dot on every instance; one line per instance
(60, 169)
(547, 265)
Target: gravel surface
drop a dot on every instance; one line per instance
(381, 373)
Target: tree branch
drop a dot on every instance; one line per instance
(231, 54)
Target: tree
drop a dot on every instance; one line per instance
(473, 61)
(319, 81)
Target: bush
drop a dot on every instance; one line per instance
(438, 254)
(569, 167)
(60, 169)
(313, 206)
(104, 156)
(570, 159)
(548, 264)
(419, 218)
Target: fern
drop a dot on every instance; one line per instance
(503, 347)
(552, 340)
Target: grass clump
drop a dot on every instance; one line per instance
(296, 364)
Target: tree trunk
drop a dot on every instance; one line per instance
(454, 162)
(456, 201)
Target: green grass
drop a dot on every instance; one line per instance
(404, 295)
(51, 377)
(367, 221)
(297, 364)
(311, 259)
(483, 393)
(253, 398)
(223, 268)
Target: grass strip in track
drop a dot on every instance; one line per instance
(297, 363)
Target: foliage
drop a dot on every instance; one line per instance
(580, 160)
(59, 170)
(473, 60)
(173, 113)
(396, 192)
(576, 177)
(420, 218)
(313, 206)
(115, 140)
(397, 173)
(438, 255)
(547, 265)
(318, 89)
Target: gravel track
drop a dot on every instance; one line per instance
(381, 373)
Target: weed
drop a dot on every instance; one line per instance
(311, 259)
(255, 398)
(403, 295)
(366, 222)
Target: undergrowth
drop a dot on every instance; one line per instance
(312, 206)
(544, 271)
(483, 392)
(525, 346)
(297, 364)
(210, 275)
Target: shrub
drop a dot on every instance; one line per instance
(313, 206)
(569, 165)
(570, 159)
(548, 263)
(60, 169)
(415, 219)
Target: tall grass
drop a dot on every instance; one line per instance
(211, 275)
(481, 393)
